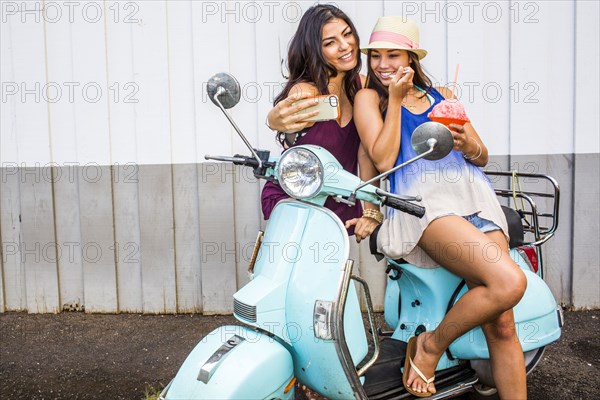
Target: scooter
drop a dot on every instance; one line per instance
(301, 310)
(416, 300)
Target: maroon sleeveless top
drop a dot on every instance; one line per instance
(343, 143)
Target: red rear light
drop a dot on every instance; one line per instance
(530, 256)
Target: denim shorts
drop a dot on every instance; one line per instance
(483, 225)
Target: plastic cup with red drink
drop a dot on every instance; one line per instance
(449, 112)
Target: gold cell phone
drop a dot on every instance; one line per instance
(328, 107)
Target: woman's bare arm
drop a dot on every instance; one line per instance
(365, 225)
(380, 138)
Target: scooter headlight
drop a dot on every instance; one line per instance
(300, 173)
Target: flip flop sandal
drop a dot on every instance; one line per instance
(411, 352)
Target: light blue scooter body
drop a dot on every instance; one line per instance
(241, 371)
(420, 299)
(425, 293)
(290, 276)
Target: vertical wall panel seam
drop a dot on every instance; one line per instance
(23, 288)
(52, 169)
(23, 306)
(111, 167)
(233, 186)
(1, 238)
(200, 305)
(574, 167)
(3, 288)
(76, 181)
(53, 188)
(137, 181)
(114, 232)
(258, 208)
(174, 224)
(139, 224)
(197, 164)
(139, 231)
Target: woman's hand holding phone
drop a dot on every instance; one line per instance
(289, 115)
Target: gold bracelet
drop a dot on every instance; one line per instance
(373, 213)
(479, 152)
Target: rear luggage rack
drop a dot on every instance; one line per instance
(529, 208)
(540, 221)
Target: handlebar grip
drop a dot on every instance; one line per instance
(405, 206)
(249, 162)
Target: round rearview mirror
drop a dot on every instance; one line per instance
(224, 87)
(442, 140)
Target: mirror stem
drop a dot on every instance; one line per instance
(220, 91)
(431, 143)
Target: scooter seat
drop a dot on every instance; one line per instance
(515, 227)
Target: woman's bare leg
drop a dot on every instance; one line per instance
(506, 357)
(506, 353)
(465, 251)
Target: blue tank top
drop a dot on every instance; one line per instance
(402, 179)
(450, 186)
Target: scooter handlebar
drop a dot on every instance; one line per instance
(238, 160)
(404, 206)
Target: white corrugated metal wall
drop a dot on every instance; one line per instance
(107, 202)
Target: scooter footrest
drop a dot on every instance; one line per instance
(385, 373)
(384, 379)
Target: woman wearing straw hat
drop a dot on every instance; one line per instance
(463, 215)
(324, 58)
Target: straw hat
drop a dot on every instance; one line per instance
(395, 33)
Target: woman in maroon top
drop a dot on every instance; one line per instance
(324, 58)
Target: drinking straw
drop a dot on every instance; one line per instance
(455, 79)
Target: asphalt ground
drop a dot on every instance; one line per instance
(90, 356)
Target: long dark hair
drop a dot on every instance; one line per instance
(420, 79)
(305, 56)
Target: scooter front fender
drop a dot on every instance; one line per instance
(234, 362)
